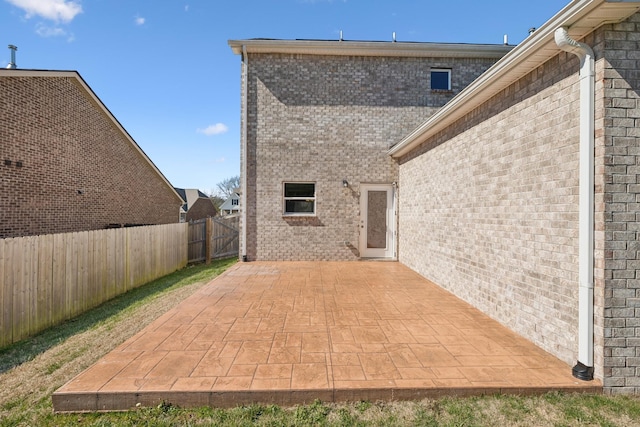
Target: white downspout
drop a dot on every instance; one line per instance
(244, 155)
(584, 367)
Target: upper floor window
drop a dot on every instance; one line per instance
(299, 198)
(440, 79)
(234, 202)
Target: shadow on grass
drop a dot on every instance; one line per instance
(25, 350)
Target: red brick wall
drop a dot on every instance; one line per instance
(78, 170)
(201, 208)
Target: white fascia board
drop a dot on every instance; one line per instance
(75, 75)
(581, 17)
(362, 48)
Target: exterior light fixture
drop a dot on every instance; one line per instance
(345, 183)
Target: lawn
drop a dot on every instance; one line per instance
(32, 369)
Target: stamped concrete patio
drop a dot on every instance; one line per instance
(291, 332)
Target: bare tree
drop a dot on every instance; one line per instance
(216, 200)
(227, 187)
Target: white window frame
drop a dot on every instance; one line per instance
(441, 70)
(285, 199)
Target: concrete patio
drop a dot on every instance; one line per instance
(292, 332)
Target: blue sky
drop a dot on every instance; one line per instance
(165, 71)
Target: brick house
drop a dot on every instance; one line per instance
(196, 205)
(202, 208)
(318, 120)
(517, 189)
(67, 164)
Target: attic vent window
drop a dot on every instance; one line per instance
(440, 79)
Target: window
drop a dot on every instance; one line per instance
(299, 198)
(234, 202)
(440, 79)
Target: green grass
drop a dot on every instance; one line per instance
(32, 369)
(49, 356)
(450, 412)
(110, 311)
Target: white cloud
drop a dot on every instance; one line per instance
(47, 31)
(220, 160)
(139, 20)
(216, 129)
(54, 10)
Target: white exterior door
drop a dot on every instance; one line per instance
(377, 221)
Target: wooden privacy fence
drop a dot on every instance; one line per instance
(214, 238)
(198, 240)
(47, 279)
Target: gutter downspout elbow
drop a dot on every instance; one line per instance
(584, 367)
(243, 153)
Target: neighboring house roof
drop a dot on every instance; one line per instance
(580, 17)
(369, 48)
(228, 204)
(75, 75)
(189, 196)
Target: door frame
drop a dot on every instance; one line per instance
(390, 251)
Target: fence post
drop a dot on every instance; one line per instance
(209, 234)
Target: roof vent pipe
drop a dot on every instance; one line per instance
(584, 367)
(505, 40)
(12, 65)
(393, 36)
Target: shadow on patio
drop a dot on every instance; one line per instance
(292, 332)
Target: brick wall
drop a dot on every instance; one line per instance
(201, 208)
(323, 119)
(78, 172)
(489, 208)
(618, 204)
(495, 218)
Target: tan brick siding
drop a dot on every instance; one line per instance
(78, 170)
(618, 204)
(323, 119)
(489, 210)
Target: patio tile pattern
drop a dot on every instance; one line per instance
(291, 332)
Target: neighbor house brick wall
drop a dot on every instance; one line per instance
(489, 208)
(323, 119)
(201, 208)
(618, 213)
(78, 171)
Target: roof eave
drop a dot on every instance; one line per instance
(369, 48)
(581, 17)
